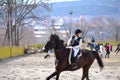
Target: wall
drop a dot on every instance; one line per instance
(7, 52)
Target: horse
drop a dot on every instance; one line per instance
(62, 54)
(92, 46)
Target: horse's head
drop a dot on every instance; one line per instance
(51, 44)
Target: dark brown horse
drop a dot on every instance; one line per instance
(62, 64)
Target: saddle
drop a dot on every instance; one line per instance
(71, 56)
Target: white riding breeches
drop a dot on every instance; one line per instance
(76, 50)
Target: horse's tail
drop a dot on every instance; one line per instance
(99, 60)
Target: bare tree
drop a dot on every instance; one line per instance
(114, 28)
(100, 24)
(108, 28)
(16, 13)
(83, 25)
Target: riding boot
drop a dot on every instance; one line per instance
(74, 64)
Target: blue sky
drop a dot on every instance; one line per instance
(85, 7)
(52, 1)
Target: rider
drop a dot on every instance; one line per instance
(93, 42)
(75, 43)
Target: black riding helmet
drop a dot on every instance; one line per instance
(78, 31)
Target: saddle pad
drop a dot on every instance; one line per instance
(69, 58)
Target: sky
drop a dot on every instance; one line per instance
(52, 1)
(85, 7)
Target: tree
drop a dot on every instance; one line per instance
(108, 27)
(83, 25)
(16, 13)
(100, 24)
(114, 28)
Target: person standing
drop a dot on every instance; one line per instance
(117, 49)
(110, 45)
(101, 50)
(107, 50)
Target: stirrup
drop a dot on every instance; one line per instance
(74, 65)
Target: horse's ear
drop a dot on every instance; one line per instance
(51, 33)
(55, 34)
(51, 36)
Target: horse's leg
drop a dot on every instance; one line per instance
(57, 77)
(87, 78)
(85, 73)
(53, 74)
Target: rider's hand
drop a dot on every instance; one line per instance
(69, 47)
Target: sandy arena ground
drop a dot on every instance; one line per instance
(35, 67)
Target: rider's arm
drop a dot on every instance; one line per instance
(80, 44)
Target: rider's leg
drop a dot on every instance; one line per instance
(75, 58)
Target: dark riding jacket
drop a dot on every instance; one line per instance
(75, 42)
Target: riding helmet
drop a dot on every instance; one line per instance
(78, 31)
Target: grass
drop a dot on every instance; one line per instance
(37, 46)
(114, 43)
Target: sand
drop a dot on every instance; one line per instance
(35, 67)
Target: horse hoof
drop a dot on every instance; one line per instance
(47, 79)
(87, 79)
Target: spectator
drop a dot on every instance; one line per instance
(107, 50)
(102, 51)
(117, 49)
(110, 47)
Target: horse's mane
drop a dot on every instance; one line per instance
(54, 36)
(57, 39)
